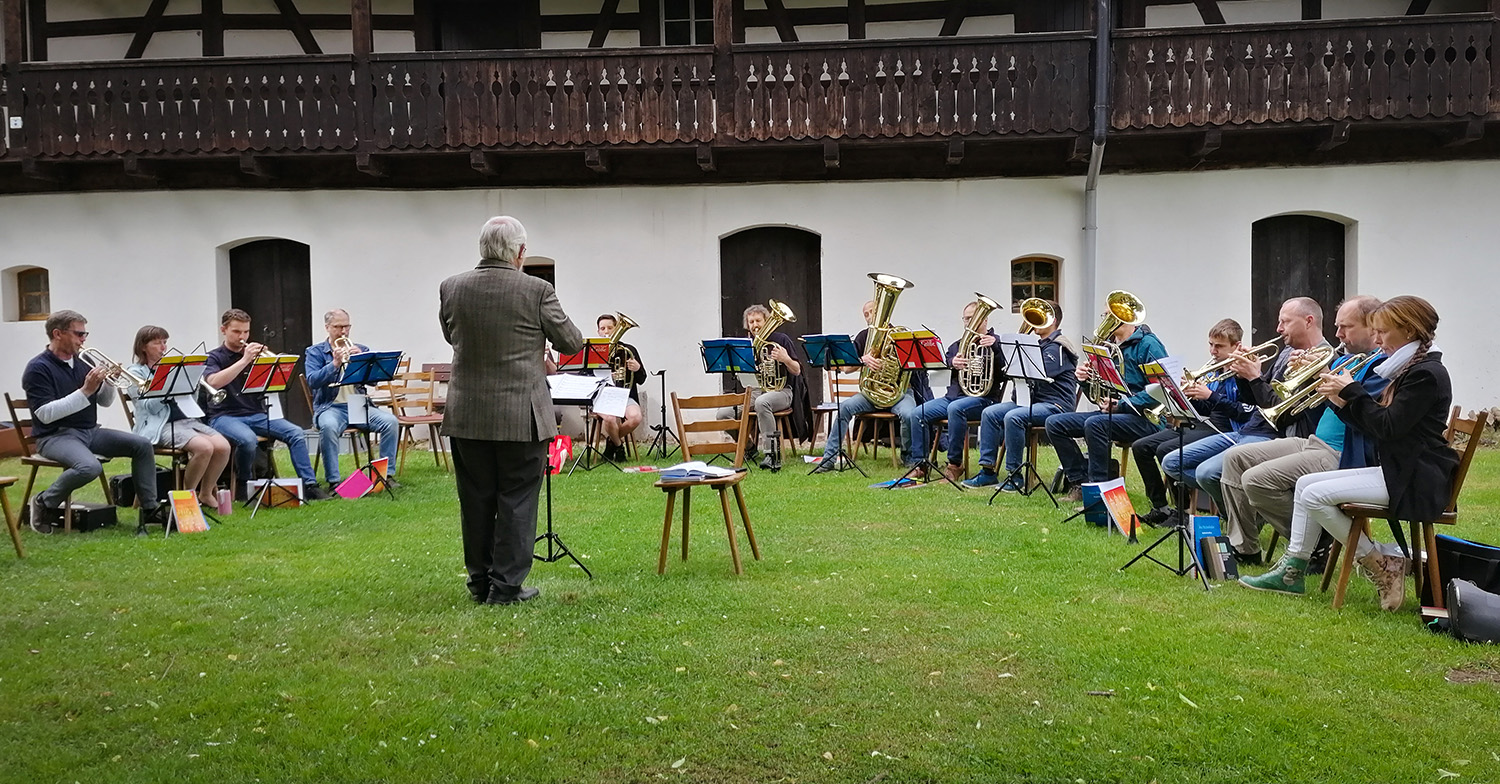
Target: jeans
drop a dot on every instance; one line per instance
(1006, 423)
(959, 414)
(1099, 431)
(76, 447)
(1151, 450)
(242, 431)
(857, 404)
(331, 425)
(1201, 463)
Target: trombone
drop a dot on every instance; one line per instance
(118, 376)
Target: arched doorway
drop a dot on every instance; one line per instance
(1294, 256)
(271, 280)
(778, 262)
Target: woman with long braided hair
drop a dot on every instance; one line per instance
(1407, 423)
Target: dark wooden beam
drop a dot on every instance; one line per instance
(1132, 13)
(830, 154)
(724, 63)
(782, 22)
(257, 166)
(147, 28)
(34, 169)
(12, 25)
(1312, 9)
(856, 20)
(1418, 7)
(422, 30)
(650, 22)
(371, 164)
(298, 26)
(139, 169)
(213, 28)
(739, 17)
(1334, 136)
(177, 22)
(362, 27)
(596, 160)
(1459, 134)
(957, 10)
(36, 23)
(485, 163)
(605, 24)
(705, 156)
(1206, 143)
(955, 152)
(1209, 10)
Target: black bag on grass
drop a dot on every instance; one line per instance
(122, 487)
(1459, 559)
(1473, 613)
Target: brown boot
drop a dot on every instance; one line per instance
(954, 473)
(1388, 572)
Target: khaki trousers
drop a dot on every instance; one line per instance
(1260, 482)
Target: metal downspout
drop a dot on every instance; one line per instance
(1102, 69)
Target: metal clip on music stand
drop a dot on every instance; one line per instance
(594, 356)
(1024, 361)
(556, 550)
(364, 369)
(268, 373)
(920, 351)
(833, 353)
(727, 355)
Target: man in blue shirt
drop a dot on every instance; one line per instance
(64, 394)
(324, 365)
(1260, 480)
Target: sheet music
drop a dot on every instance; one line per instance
(274, 406)
(571, 387)
(188, 405)
(357, 409)
(748, 380)
(612, 400)
(1023, 356)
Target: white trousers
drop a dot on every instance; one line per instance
(1316, 506)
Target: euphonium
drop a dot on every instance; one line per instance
(977, 378)
(768, 372)
(618, 356)
(119, 376)
(1036, 314)
(1121, 308)
(884, 387)
(1299, 390)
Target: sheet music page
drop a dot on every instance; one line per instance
(1025, 362)
(612, 400)
(188, 405)
(357, 409)
(748, 380)
(1174, 368)
(275, 405)
(571, 387)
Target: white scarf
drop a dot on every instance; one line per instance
(1399, 359)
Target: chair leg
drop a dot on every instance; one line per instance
(68, 514)
(1124, 461)
(403, 438)
(893, 432)
(1434, 577)
(851, 437)
(666, 532)
(109, 496)
(11, 523)
(1417, 543)
(1334, 552)
(739, 498)
(1271, 551)
(1346, 564)
(687, 511)
(30, 481)
(734, 544)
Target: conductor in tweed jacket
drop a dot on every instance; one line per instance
(499, 411)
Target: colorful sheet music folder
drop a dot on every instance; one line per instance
(728, 355)
(595, 355)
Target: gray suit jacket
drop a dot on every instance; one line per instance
(497, 318)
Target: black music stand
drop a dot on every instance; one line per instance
(664, 430)
(921, 351)
(833, 353)
(364, 369)
(267, 374)
(556, 550)
(727, 355)
(594, 356)
(1109, 375)
(172, 377)
(1025, 362)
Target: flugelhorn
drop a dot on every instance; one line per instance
(977, 378)
(118, 375)
(768, 372)
(884, 387)
(1218, 370)
(215, 395)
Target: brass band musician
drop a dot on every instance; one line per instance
(627, 371)
(792, 395)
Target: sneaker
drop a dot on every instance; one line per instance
(312, 491)
(43, 519)
(1388, 573)
(1176, 518)
(985, 478)
(825, 466)
(1285, 578)
(1157, 517)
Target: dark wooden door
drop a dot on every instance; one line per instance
(460, 25)
(1294, 256)
(774, 262)
(270, 280)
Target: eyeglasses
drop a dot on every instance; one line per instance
(79, 334)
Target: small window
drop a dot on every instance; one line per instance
(687, 22)
(33, 300)
(1032, 276)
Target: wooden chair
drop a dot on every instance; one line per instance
(784, 431)
(1424, 532)
(385, 392)
(697, 451)
(937, 435)
(839, 388)
(352, 432)
(414, 408)
(441, 372)
(20, 416)
(12, 523)
(179, 457)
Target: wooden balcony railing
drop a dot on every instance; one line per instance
(1252, 74)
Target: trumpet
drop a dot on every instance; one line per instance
(342, 343)
(1219, 370)
(118, 376)
(215, 395)
(1299, 390)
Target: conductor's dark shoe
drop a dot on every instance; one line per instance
(506, 597)
(313, 491)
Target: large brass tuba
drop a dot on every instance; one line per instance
(618, 355)
(884, 387)
(768, 372)
(1121, 308)
(1036, 314)
(977, 378)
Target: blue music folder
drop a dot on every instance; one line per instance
(831, 350)
(728, 355)
(370, 367)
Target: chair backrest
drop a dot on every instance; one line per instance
(712, 403)
(842, 385)
(20, 416)
(306, 391)
(1473, 428)
(387, 392)
(129, 406)
(414, 394)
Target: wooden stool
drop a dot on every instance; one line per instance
(892, 425)
(11, 522)
(721, 485)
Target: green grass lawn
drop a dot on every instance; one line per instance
(901, 636)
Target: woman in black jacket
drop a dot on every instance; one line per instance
(1407, 424)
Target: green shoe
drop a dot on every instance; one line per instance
(1286, 577)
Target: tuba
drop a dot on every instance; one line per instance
(884, 387)
(1036, 314)
(618, 355)
(1122, 308)
(768, 372)
(977, 378)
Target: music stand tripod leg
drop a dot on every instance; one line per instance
(556, 549)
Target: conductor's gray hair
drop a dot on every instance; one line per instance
(502, 238)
